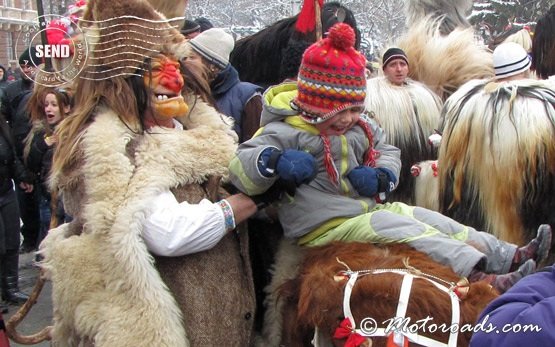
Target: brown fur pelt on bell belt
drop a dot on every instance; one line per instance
(315, 297)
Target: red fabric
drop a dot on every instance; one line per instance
(345, 330)
(56, 32)
(4, 341)
(307, 17)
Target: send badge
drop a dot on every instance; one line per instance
(53, 51)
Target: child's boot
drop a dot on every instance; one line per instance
(505, 281)
(537, 249)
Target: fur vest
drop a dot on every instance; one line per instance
(107, 289)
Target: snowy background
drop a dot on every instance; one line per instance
(380, 21)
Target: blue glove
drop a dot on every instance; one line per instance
(292, 166)
(369, 181)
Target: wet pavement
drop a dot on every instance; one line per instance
(40, 315)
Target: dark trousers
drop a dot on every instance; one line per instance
(9, 223)
(29, 209)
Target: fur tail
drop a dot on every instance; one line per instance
(444, 63)
(450, 13)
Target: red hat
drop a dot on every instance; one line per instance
(331, 76)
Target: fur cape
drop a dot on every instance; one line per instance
(408, 114)
(497, 157)
(106, 289)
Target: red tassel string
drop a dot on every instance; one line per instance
(328, 160)
(307, 17)
(371, 154)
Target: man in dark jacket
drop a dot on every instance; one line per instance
(13, 105)
(234, 98)
(11, 168)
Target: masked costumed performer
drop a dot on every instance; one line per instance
(135, 184)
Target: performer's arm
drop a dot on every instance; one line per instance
(175, 229)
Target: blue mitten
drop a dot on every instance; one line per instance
(369, 181)
(292, 166)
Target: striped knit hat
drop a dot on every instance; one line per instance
(331, 76)
(509, 59)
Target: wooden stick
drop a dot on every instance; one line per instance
(13, 322)
(318, 17)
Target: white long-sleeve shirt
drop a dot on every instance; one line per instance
(174, 229)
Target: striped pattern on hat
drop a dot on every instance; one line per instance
(510, 59)
(331, 76)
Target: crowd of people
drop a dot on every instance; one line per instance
(126, 174)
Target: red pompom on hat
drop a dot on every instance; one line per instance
(331, 76)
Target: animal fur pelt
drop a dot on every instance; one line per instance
(316, 296)
(497, 157)
(408, 114)
(106, 290)
(444, 62)
(121, 35)
(286, 267)
(516, 35)
(543, 45)
(450, 13)
(170, 8)
(258, 57)
(426, 184)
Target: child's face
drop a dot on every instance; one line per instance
(52, 109)
(341, 122)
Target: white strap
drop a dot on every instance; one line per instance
(402, 306)
(347, 298)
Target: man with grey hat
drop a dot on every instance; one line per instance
(234, 98)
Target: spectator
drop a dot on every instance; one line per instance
(54, 105)
(530, 303)
(234, 98)
(3, 79)
(204, 23)
(11, 168)
(190, 29)
(14, 108)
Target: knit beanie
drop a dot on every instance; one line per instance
(215, 45)
(393, 53)
(29, 57)
(204, 23)
(331, 76)
(189, 27)
(509, 59)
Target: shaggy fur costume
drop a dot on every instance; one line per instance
(444, 62)
(452, 13)
(106, 287)
(497, 157)
(408, 114)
